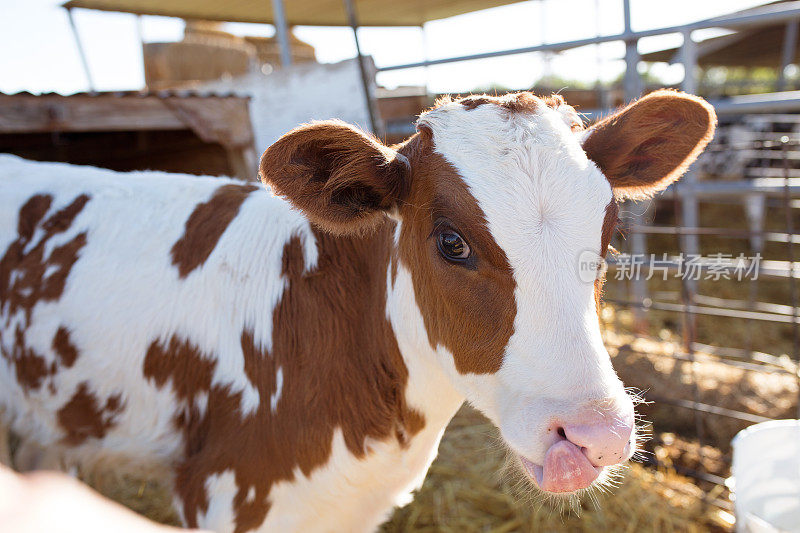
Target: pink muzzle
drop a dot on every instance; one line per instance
(576, 460)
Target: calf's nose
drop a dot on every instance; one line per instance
(604, 437)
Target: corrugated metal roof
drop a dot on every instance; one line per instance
(298, 12)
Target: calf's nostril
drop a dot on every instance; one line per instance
(562, 433)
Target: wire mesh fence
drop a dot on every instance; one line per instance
(687, 282)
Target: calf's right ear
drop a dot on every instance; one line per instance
(341, 178)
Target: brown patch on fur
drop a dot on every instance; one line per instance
(179, 358)
(24, 283)
(30, 367)
(610, 221)
(651, 142)
(521, 102)
(341, 178)
(556, 102)
(83, 416)
(335, 375)
(205, 226)
(62, 345)
(471, 310)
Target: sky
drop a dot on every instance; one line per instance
(38, 52)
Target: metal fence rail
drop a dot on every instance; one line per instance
(689, 303)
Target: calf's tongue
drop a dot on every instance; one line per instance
(566, 469)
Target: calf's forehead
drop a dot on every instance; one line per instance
(543, 199)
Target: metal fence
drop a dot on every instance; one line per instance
(776, 187)
(774, 193)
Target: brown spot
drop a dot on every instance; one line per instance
(205, 226)
(179, 359)
(554, 101)
(28, 276)
(31, 214)
(521, 102)
(335, 376)
(63, 347)
(31, 368)
(470, 311)
(83, 416)
(647, 145)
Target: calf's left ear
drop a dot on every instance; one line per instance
(651, 142)
(342, 179)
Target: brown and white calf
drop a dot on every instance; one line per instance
(292, 362)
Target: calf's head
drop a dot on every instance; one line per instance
(498, 202)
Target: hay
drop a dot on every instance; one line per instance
(645, 363)
(144, 496)
(468, 489)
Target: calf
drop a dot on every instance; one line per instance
(292, 362)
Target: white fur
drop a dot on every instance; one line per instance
(220, 514)
(276, 396)
(545, 203)
(132, 209)
(349, 494)
(136, 214)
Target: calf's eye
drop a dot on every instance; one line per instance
(452, 246)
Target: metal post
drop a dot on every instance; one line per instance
(787, 209)
(632, 83)
(81, 52)
(425, 54)
(633, 88)
(598, 83)
(689, 60)
(282, 32)
(787, 56)
(690, 243)
(353, 21)
(547, 57)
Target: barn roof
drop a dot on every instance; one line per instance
(298, 12)
(756, 46)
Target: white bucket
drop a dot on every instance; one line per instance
(766, 469)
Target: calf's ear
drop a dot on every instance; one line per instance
(342, 179)
(647, 145)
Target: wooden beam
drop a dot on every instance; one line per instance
(48, 113)
(222, 120)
